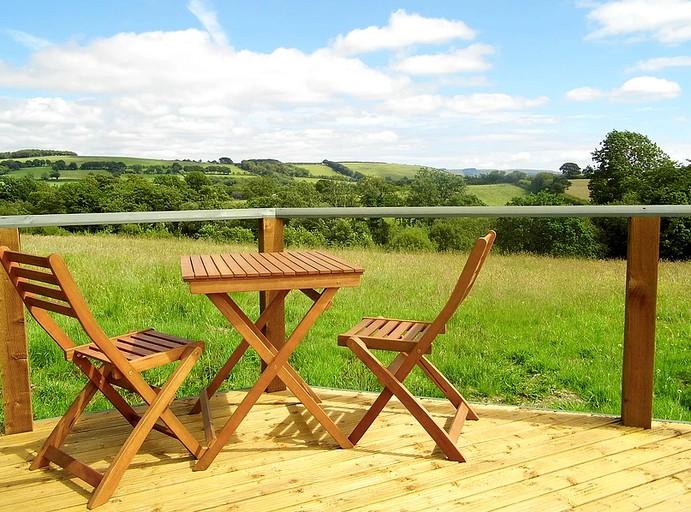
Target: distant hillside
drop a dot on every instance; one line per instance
(472, 171)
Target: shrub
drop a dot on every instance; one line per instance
(553, 236)
(299, 236)
(411, 239)
(458, 234)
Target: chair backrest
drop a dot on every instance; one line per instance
(46, 287)
(465, 282)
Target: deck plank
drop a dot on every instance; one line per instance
(281, 459)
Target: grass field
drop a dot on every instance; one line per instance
(383, 170)
(535, 331)
(496, 195)
(579, 189)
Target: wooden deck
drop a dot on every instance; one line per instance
(280, 459)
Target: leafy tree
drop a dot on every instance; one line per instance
(337, 193)
(549, 182)
(621, 163)
(554, 236)
(55, 173)
(196, 180)
(432, 187)
(570, 170)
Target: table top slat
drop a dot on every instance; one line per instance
(210, 266)
(198, 268)
(186, 266)
(221, 265)
(265, 262)
(302, 264)
(216, 273)
(284, 263)
(316, 266)
(257, 264)
(247, 269)
(343, 266)
(235, 269)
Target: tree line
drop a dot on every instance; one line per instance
(627, 168)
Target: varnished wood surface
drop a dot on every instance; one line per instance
(281, 459)
(217, 273)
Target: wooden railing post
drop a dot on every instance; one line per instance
(271, 240)
(639, 323)
(14, 351)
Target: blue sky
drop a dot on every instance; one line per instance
(493, 84)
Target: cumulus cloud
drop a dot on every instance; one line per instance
(208, 18)
(482, 103)
(668, 21)
(187, 67)
(403, 30)
(661, 63)
(639, 89)
(466, 60)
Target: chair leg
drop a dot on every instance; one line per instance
(65, 425)
(446, 387)
(394, 386)
(158, 408)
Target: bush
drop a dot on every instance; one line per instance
(411, 239)
(458, 234)
(553, 236)
(299, 236)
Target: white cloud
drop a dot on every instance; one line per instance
(661, 63)
(585, 94)
(185, 67)
(466, 60)
(402, 31)
(207, 17)
(422, 104)
(482, 103)
(647, 88)
(668, 21)
(29, 41)
(639, 89)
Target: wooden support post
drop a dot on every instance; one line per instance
(14, 351)
(639, 323)
(271, 240)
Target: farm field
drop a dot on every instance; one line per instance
(579, 189)
(535, 331)
(498, 194)
(383, 170)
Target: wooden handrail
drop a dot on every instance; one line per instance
(641, 283)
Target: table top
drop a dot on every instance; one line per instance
(255, 271)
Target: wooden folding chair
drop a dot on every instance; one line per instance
(412, 340)
(47, 289)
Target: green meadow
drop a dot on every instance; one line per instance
(535, 331)
(497, 194)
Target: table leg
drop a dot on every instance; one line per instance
(277, 365)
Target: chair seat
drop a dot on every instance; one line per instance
(387, 334)
(143, 349)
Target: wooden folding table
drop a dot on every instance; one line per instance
(218, 275)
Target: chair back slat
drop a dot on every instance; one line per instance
(35, 275)
(471, 269)
(48, 305)
(45, 285)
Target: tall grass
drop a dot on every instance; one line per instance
(535, 331)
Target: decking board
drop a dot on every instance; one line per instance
(281, 459)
